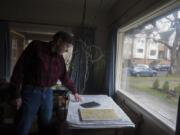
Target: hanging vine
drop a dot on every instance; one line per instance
(83, 56)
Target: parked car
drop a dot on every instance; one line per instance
(164, 67)
(161, 67)
(140, 71)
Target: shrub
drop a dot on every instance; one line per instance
(165, 86)
(177, 88)
(156, 84)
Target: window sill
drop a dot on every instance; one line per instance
(157, 118)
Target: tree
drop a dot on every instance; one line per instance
(163, 31)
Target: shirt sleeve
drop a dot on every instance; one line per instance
(66, 81)
(18, 72)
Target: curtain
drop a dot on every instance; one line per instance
(81, 69)
(5, 51)
(111, 63)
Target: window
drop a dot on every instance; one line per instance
(17, 43)
(157, 87)
(140, 50)
(161, 54)
(153, 52)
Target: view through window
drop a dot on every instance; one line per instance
(151, 64)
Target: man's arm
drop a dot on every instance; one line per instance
(66, 81)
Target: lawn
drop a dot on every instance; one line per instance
(145, 84)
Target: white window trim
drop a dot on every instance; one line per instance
(120, 36)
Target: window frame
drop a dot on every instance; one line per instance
(166, 8)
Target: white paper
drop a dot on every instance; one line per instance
(74, 122)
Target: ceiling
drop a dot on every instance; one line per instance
(55, 12)
(39, 16)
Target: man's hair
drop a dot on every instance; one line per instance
(64, 36)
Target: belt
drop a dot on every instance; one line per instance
(37, 87)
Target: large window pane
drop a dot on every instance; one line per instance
(151, 65)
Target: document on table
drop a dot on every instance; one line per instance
(74, 120)
(98, 114)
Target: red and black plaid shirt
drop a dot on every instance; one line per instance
(38, 66)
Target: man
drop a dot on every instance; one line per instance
(39, 67)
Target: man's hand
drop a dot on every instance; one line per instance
(18, 103)
(77, 97)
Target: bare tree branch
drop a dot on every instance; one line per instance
(169, 19)
(162, 42)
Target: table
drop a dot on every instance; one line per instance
(74, 122)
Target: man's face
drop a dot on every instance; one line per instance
(62, 46)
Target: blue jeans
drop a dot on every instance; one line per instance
(35, 102)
